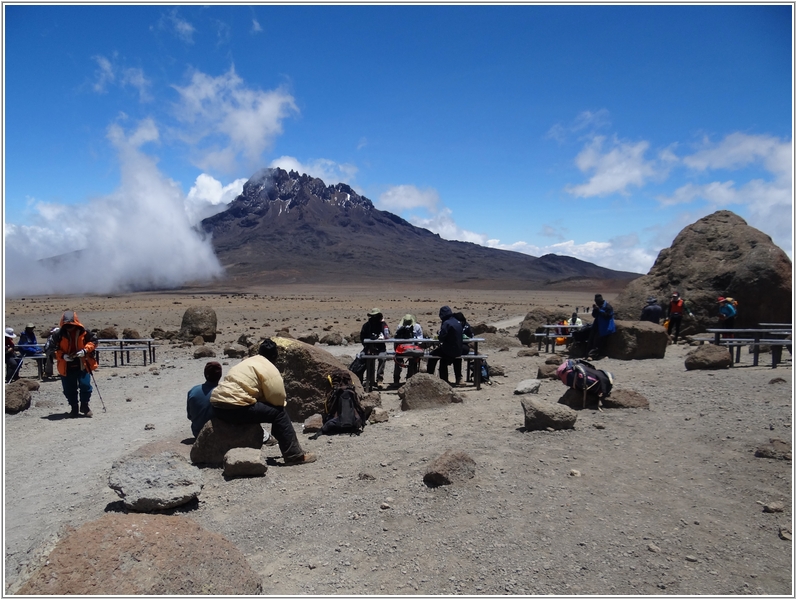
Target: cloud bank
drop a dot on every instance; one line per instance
(139, 237)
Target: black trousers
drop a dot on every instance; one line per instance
(260, 412)
(431, 363)
(675, 321)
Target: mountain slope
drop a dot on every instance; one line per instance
(287, 228)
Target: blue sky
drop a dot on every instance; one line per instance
(592, 131)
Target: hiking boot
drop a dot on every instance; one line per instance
(84, 408)
(305, 458)
(73, 414)
(270, 440)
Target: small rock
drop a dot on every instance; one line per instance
(772, 507)
(384, 506)
(691, 559)
(575, 473)
(784, 533)
(149, 426)
(654, 548)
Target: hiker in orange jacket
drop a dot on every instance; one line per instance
(75, 358)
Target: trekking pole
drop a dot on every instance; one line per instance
(94, 379)
(14, 374)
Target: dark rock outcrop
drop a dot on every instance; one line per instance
(719, 255)
(219, 437)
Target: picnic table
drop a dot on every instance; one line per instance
(770, 334)
(427, 344)
(121, 349)
(39, 357)
(548, 337)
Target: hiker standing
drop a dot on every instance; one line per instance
(652, 311)
(75, 357)
(450, 347)
(602, 327)
(253, 392)
(675, 314)
(375, 328)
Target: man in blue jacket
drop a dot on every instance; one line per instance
(450, 347)
(602, 327)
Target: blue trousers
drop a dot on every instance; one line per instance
(76, 381)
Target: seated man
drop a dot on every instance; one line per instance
(253, 392)
(12, 359)
(198, 406)
(28, 345)
(408, 329)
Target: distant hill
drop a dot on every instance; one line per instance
(292, 228)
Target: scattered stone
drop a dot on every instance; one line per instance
(528, 352)
(599, 426)
(313, 423)
(236, 351)
(547, 371)
(575, 473)
(771, 507)
(709, 356)
(244, 462)
(528, 386)
(332, 339)
(496, 371)
(776, 449)
(156, 482)
(218, 437)
(691, 558)
(149, 426)
(637, 340)
(426, 391)
(198, 341)
(311, 339)
(451, 466)
(108, 333)
(140, 554)
(130, 334)
(204, 352)
(654, 548)
(366, 477)
(625, 399)
(784, 533)
(777, 380)
(378, 415)
(384, 506)
(554, 360)
(540, 414)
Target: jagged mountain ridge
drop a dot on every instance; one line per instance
(292, 228)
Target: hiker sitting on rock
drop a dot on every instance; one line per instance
(253, 392)
(198, 406)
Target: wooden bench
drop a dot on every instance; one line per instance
(368, 383)
(550, 340)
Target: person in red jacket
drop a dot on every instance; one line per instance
(75, 356)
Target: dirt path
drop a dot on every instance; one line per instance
(666, 500)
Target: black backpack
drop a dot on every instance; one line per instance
(581, 375)
(343, 412)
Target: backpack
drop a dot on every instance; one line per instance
(581, 375)
(358, 367)
(408, 351)
(343, 412)
(485, 371)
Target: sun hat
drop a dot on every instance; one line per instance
(373, 312)
(10, 333)
(652, 300)
(408, 319)
(30, 326)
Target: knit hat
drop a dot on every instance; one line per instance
(213, 371)
(720, 299)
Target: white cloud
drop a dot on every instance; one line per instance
(139, 237)
(135, 78)
(182, 28)
(207, 197)
(739, 150)
(225, 120)
(407, 197)
(104, 74)
(327, 170)
(256, 28)
(614, 171)
(585, 120)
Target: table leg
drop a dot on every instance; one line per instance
(369, 375)
(477, 372)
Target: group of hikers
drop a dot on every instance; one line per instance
(253, 391)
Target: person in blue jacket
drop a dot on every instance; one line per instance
(450, 347)
(602, 327)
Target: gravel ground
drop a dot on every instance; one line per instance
(632, 502)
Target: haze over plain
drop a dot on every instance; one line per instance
(597, 132)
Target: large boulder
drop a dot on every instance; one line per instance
(218, 437)
(156, 482)
(535, 319)
(143, 555)
(709, 356)
(304, 370)
(198, 321)
(719, 255)
(635, 340)
(426, 391)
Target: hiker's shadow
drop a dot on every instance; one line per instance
(57, 417)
